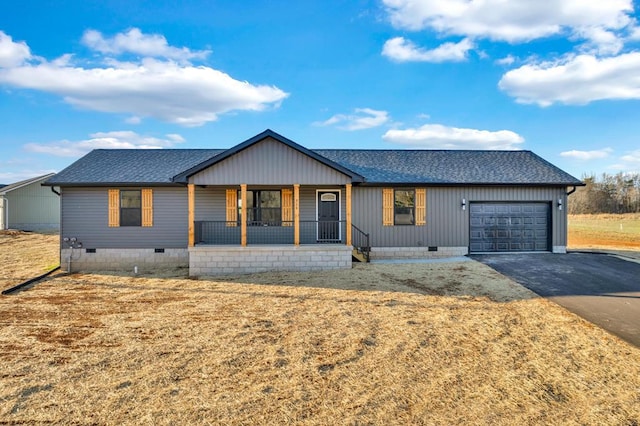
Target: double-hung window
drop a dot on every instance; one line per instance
(130, 208)
(404, 207)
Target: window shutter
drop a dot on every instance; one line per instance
(421, 206)
(387, 206)
(147, 207)
(232, 207)
(287, 207)
(114, 208)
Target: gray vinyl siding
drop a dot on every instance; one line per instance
(85, 216)
(32, 208)
(447, 224)
(269, 163)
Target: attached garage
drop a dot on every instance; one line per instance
(509, 227)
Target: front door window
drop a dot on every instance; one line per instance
(328, 216)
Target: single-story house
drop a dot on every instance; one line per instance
(272, 204)
(29, 206)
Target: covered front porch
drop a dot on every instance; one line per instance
(269, 203)
(236, 215)
(287, 227)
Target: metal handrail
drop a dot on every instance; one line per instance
(270, 232)
(360, 240)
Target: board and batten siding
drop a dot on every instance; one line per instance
(447, 224)
(367, 216)
(85, 216)
(32, 208)
(269, 162)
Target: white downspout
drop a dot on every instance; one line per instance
(5, 208)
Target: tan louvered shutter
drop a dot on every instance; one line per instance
(147, 207)
(387, 206)
(421, 206)
(232, 207)
(114, 208)
(287, 207)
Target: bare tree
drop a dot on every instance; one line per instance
(618, 193)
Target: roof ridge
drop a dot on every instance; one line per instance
(420, 150)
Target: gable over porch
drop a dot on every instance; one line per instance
(269, 191)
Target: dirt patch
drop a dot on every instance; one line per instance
(604, 231)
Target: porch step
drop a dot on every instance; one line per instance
(358, 256)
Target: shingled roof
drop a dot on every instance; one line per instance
(450, 167)
(131, 166)
(4, 189)
(432, 167)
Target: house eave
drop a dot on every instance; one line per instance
(112, 184)
(445, 184)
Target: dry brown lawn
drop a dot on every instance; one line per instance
(444, 343)
(25, 255)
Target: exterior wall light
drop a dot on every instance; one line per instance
(464, 204)
(559, 203)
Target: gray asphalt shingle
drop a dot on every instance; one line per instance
(449, 166)
(436, 167)
(131, 166)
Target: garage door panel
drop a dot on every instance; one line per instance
(505, 227)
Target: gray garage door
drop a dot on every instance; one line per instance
(505, 227)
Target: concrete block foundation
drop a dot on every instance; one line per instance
(417, 252)
(146, 260)
(232, 260)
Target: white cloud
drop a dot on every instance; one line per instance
(575, 80)
(629, 163)
(587, 155)
(133, 120)
(507, 60)
(163, 89)
(632, 157)
(634, 33)
(402, 50)
(11, 53)
(511, 21)
(437, 136)
(600, 41)
(363, 118)
(134, 41)
(104, 140)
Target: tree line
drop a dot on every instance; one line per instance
(619, 193)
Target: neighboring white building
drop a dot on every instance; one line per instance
(29, 206)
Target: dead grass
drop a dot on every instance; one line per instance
(604, 231)
(24, 255)
(380, 344)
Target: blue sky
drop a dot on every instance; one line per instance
(559, 77)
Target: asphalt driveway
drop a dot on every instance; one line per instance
(604, 289)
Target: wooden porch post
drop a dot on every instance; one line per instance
(296, 214)
(348, 208)
(191, 191)
(243, 216)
